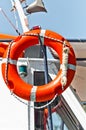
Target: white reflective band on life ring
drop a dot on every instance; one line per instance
(69, 66)
(9, 60)
(33, 93)
(42, 34)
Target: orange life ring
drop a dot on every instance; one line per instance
(44, 92)
(3, 47)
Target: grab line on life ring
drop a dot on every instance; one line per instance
(47, 91)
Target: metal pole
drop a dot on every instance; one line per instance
(9, 21)
(46, 81)
(24, 23)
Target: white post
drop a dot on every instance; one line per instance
(24, 23)
(23, 18)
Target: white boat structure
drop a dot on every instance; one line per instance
(35, 68)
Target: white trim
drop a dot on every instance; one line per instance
(22, 16)
(72, 67)
(42, 34)
(9, 60)
(75, 106)
(33, 93)
(69, 66)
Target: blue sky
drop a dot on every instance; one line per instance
(68, 18)
(65, 17)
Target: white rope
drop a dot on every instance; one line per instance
(40, 107)
(64, 65)
(5, 15)
(16, 20)
(7, 61)
(69, 66)
(51, 38)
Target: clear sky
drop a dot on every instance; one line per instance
(65, 17)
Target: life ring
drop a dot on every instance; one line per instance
(44, 92)
(3, 47)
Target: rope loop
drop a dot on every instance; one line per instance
(7, 61)
(40, 107)
(65, 55)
